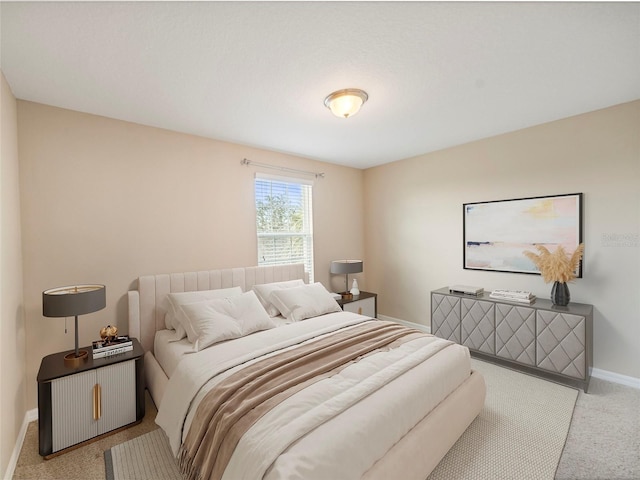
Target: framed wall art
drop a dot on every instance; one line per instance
(496, 233)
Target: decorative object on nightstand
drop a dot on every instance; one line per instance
(72, 301)
(109, 346)
(354, 288)
(108, 333)
(345, 267)
(557, 267)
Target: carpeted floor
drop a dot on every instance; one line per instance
(519, 434)
(84, 463)
(603, 442)
(604, 438)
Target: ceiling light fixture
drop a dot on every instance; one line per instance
(346, 103)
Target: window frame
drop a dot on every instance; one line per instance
(306, 234)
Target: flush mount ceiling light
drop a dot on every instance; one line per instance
(346, 103)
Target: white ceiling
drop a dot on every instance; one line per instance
(256, 73)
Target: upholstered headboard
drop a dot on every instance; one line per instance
(146, 304)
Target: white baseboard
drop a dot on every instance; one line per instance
(595, 372)
(29, 417)
(616, 378)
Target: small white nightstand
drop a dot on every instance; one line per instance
(365, 304)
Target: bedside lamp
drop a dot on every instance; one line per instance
(73, 301)
(345, 267)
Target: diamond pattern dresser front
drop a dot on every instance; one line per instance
(445, 317)
(542, 339)
(478, 330)
(516, 333)
(561, 343)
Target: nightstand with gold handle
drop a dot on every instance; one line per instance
(76, 405)
(364, 304)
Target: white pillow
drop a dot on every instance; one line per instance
(304, 302)
(221, 319)
(264, 290)
(174, 320)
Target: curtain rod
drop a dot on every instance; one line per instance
(246, 161)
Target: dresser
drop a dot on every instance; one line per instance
(542, 339)
(100, 396)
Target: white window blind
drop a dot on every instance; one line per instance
(284, 221)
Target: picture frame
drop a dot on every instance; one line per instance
(495, 233)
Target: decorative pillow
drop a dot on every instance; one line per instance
(174, 320)
(264, 291)
(304, 302)
(213, 321)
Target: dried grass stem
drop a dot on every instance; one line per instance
(557, 266)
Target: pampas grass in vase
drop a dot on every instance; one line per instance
(558, 267)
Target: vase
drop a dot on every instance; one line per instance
(354, 288)
(560, 294)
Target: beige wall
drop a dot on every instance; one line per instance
(106, 201)
(413, 220)
(13, 405)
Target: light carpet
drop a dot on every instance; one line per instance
(519, 434)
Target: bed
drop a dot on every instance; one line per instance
(389, 412)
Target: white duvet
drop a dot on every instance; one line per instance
(338, 428)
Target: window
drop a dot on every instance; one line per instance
(284, 221)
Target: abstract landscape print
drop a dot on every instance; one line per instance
(497, 232)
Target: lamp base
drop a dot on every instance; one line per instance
(71, 361)
(346, 295)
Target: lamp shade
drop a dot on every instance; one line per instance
(346, 266)
(73, 300)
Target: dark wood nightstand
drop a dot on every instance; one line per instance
(78, 405)
(365, 304)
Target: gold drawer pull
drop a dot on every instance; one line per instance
(97, 401)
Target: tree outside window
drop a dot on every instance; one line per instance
(284, 223)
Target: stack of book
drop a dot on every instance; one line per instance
(107, 348)
(519, 296)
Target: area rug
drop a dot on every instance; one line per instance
(519, 434)
(147, 457)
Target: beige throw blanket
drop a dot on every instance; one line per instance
(240, 400)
